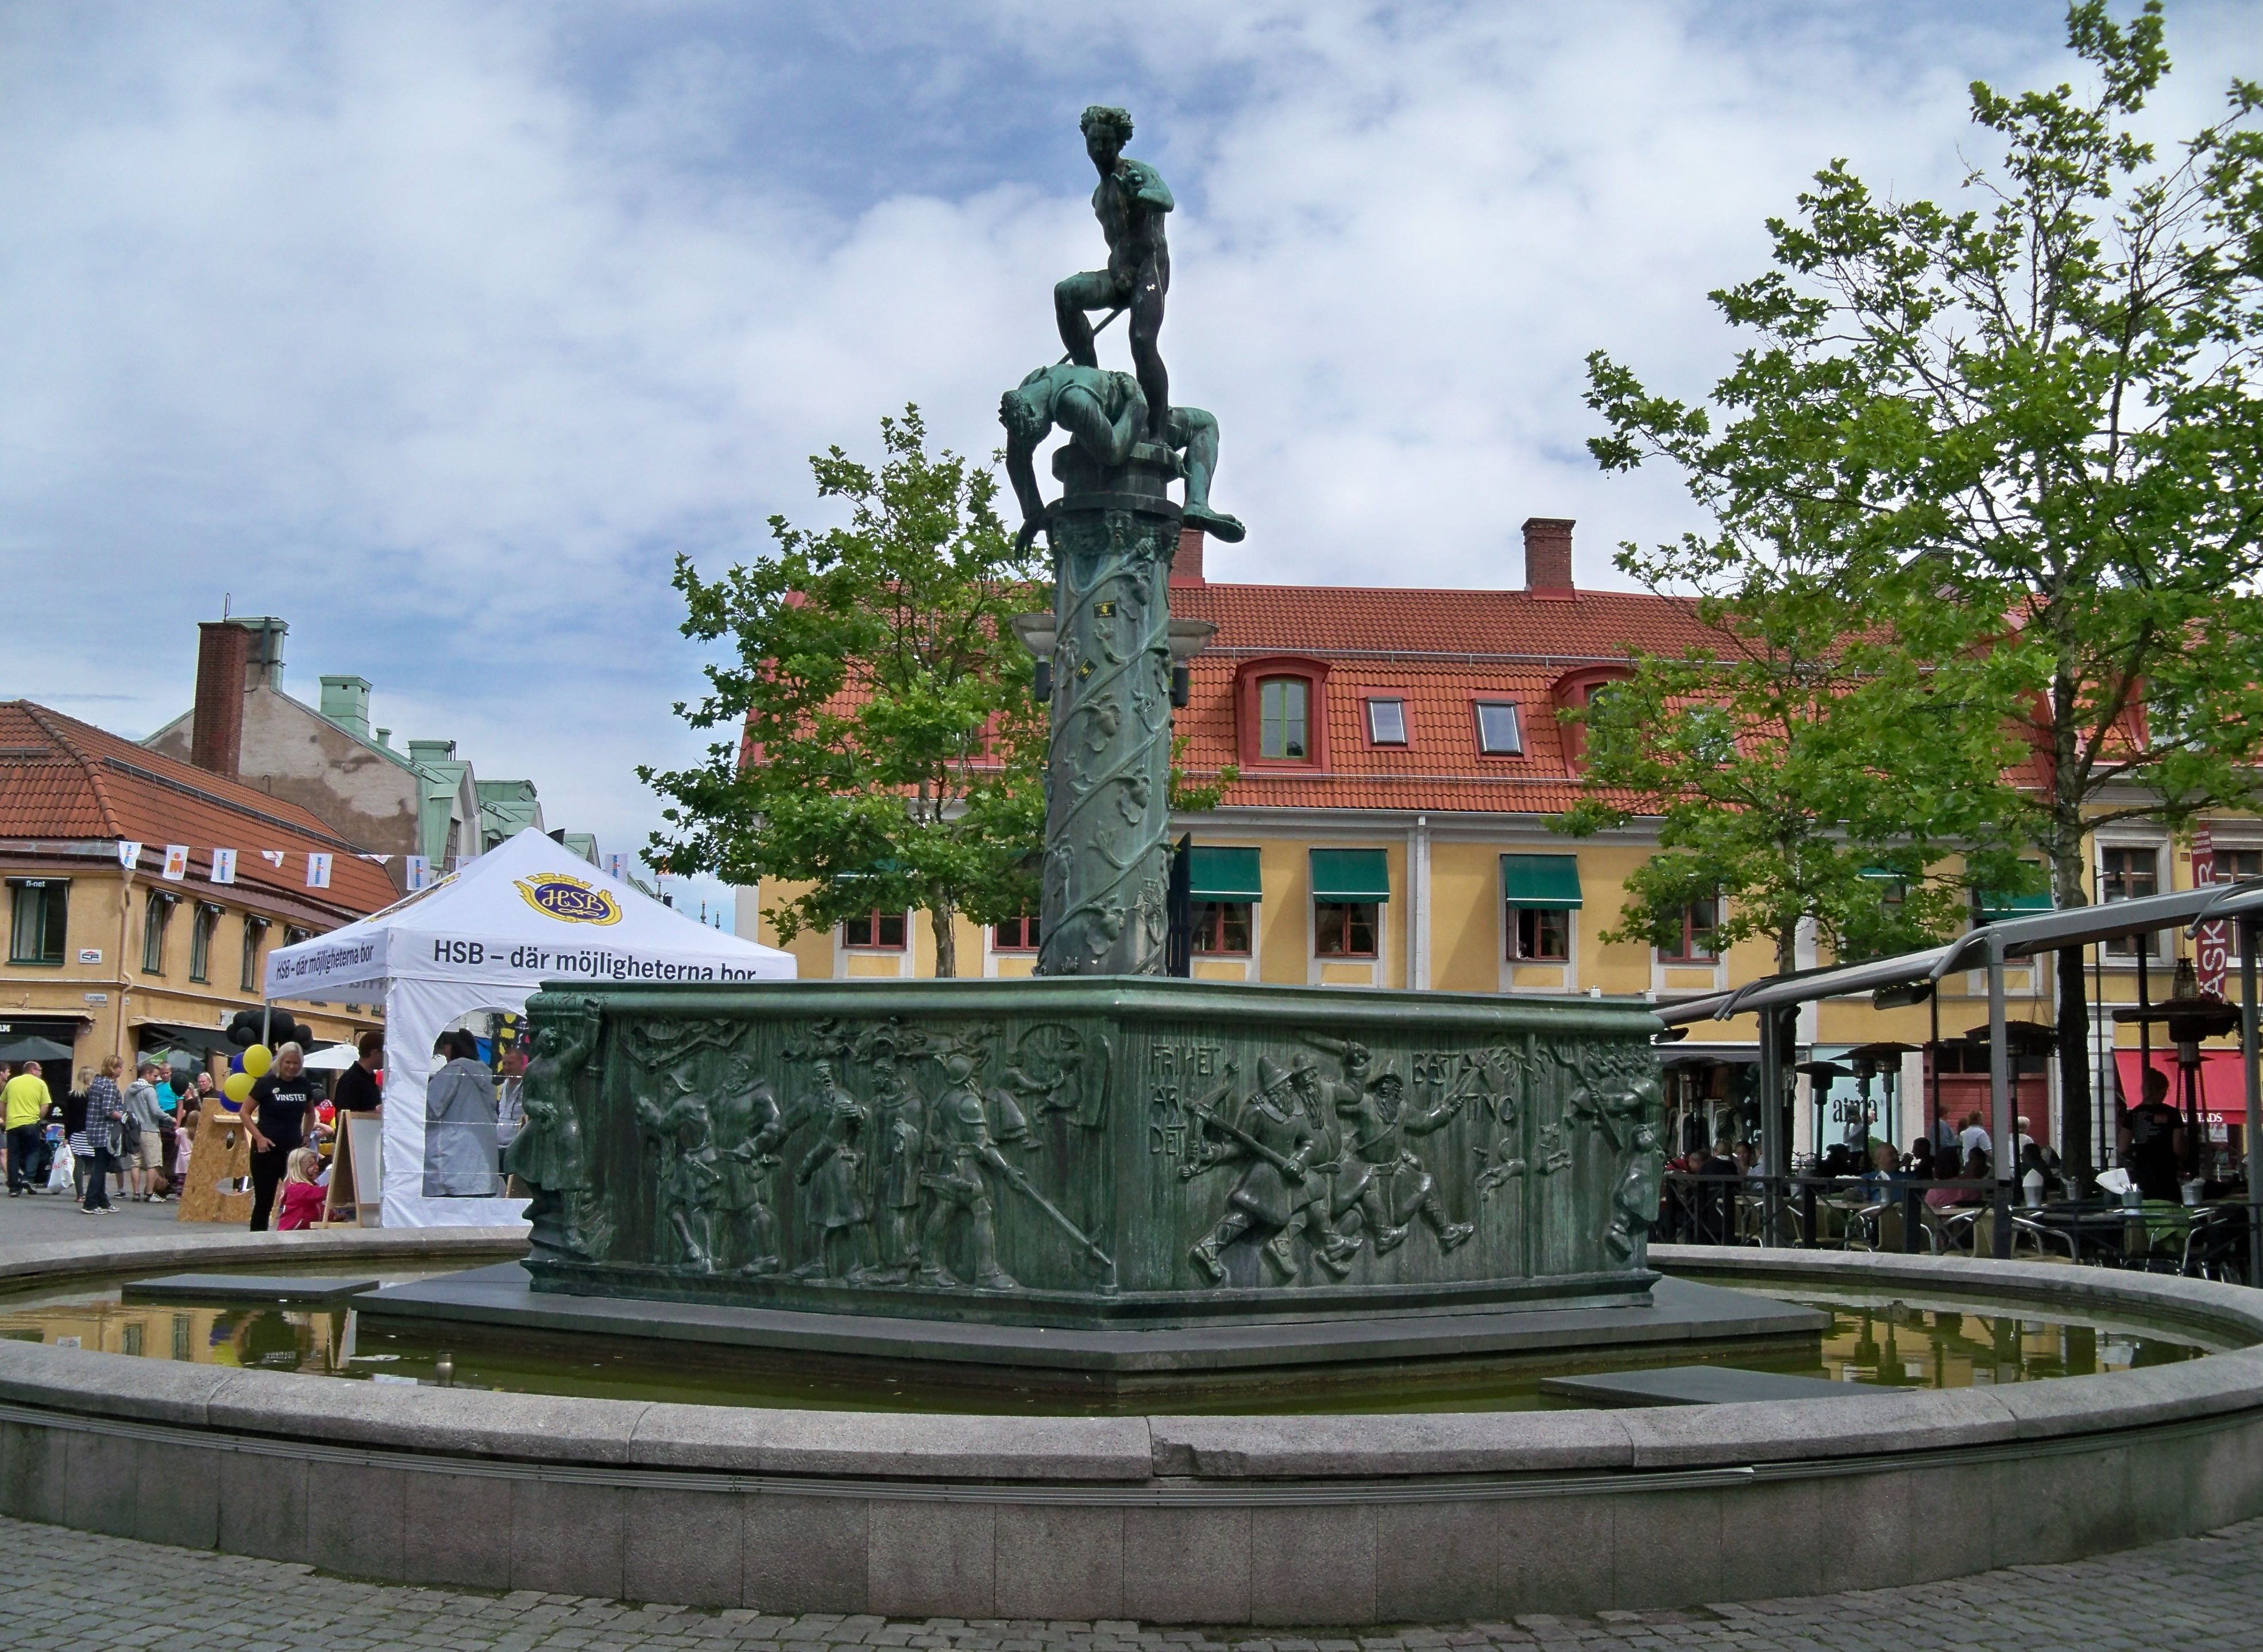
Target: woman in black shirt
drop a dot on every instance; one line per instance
(276, 1118)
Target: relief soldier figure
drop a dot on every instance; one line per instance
(1622, 1104)
(690, 1179)
(833, 1199)
(1381, 1175)
(898, 1135)
(549, 1153)
(1276, 1144)
(959, 1149)
(749, 1129)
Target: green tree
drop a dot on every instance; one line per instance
(2044, 400)
(1800, 764)
(884, 750)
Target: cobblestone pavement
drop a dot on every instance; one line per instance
(36, 1218)
(71, 1589)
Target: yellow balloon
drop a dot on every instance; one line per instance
(238, 1087)
(258, 1059)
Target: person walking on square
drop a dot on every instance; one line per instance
(105, 1126)
(24, 1101)
(144, 1129)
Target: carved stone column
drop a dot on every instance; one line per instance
(1108, 804)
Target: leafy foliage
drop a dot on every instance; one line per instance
(893, 756)
(2021, 437)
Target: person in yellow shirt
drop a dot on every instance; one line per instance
(25, 1101)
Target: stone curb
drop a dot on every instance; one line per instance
(614, 1433)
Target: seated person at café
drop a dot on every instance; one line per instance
(1884, 1174)
(1920, 1166)
(1974, 1168)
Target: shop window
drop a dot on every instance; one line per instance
(2129, 874)
(37, 920)
(1016, 934)
(1284, 716)
(1539, 936)
(247, 977)
(206, 919)
(1499, 733)
(1344, 929)
(156, 914)
(877, 931)
(1694, 944)
(1222, 928)
(1386, 722)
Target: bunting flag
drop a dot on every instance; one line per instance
(223, 866)
(129, 854)
(177, 862)
(380, 859)
(618, 866)
(417, 871)
(273, 857)
(318, 871)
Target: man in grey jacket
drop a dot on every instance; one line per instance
(145, 1120)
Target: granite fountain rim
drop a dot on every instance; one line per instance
(614, 1437)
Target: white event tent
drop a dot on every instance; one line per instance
(485, 938)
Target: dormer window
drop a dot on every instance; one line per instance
(1284, 719)
(1386, 722)
(1498, 731)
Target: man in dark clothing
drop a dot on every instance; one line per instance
(357, 1090)
(2153, 1140)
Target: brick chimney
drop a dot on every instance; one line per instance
(1187, 564)
(216, 728)
(1548, 558)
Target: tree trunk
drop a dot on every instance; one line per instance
(2077, 1148)
(946, 942)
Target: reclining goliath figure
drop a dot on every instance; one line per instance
(1106, 414)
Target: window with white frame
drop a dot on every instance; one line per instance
(874, 931)
(2130, 872)
(1689, 939)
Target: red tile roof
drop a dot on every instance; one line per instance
(1439, 651)
(64, 780)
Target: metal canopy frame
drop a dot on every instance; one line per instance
(1989, 945)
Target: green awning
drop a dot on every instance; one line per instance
(1995, 906)
(1541, 883)
(1214, 874)
(1350, 875)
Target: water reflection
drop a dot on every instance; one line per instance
(1896, 1345)
(1887, 1343)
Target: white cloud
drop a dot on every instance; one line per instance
(440, 329)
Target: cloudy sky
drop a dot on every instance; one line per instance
(438, 329)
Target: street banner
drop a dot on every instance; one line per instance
(418, 870)
(223, 866)
(129, 854)
(2211, 954)
(318, 871)
(177, 862)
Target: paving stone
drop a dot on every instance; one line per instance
(85, 1592)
